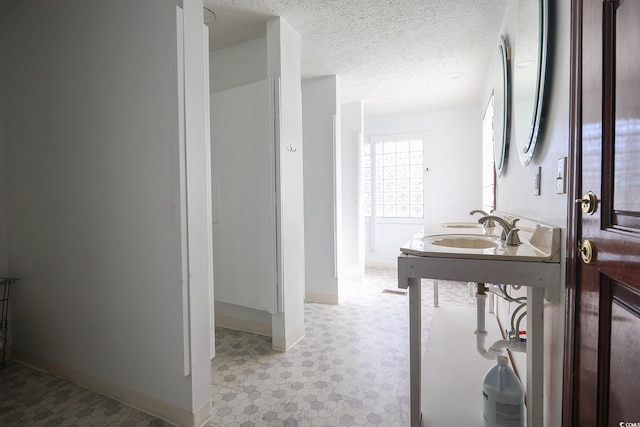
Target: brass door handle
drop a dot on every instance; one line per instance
(587, 251)
(589, 203)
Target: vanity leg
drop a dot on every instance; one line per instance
(436, 301)
(535, 356)
(415, 348)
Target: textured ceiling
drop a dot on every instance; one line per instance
(392, 54)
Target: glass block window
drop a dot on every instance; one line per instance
(393, 178)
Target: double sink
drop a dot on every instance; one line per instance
(471, 251)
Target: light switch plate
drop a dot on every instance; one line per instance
(536, 181)
(561, 176)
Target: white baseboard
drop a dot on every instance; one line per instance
(374, 264)
(150, 405)
(284, 344)
(321, 298)
(243, 325)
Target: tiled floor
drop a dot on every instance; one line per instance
(32, 398)
(352, 368)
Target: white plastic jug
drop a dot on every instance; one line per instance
(503, 397)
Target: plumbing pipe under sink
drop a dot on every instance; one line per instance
(497, 347)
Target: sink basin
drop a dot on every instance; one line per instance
(466, 242)
(460, 225)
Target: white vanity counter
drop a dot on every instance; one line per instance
(540, 243)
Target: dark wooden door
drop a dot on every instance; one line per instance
(604, 296)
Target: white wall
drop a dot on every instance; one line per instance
(454, 180)
(284, 62)
(238, 65)
(515, 186)
(90, 141)
(352, 260)
(320, 107)
(197, 284)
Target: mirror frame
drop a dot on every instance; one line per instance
(527, 144)
(501, 133)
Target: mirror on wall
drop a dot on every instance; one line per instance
(501, 108)
(529, 63)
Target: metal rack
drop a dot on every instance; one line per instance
(5, 285)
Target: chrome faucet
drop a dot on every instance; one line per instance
(489, 222)
(509, 230)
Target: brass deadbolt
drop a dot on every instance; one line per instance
(589, 203)
(587, 251)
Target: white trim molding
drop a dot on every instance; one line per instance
(321, 298)
(243, 325)
(284, 344)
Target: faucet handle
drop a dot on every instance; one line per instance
(513, 239)
(488, 223)
(514, 220)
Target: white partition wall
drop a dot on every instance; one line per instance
(197, 261)
(209, 183)
(238, 77)
(96, 186)
(283, 49)
(352, 129)
(245, 199)
(322, 185)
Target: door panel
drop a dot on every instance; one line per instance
(625, 323)
(606, 379)
(244, 229)
(627, 125)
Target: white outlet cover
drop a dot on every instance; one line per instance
(561, 176)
